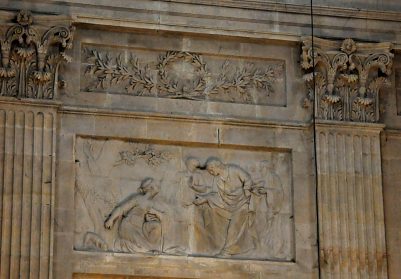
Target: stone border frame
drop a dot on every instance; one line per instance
(123, 125)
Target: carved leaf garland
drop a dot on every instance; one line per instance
(163, 79)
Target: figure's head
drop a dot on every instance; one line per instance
(192, 164)
(149, 186)
(214, 166)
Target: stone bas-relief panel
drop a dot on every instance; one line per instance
(182, 75)
(146, 198)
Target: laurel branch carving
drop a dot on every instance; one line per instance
(30, 58)
(348, 78)
(162, 79)
(150, 156)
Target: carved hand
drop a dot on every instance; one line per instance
(199, 200)
(108, 224)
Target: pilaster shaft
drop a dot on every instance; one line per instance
(350, 201)
(27, 159)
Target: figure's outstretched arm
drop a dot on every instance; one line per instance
(119, 211)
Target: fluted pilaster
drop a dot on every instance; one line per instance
(27, 161)
(350, 201)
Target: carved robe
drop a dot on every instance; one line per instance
(274, 200)
(140, 229)
(231, 202)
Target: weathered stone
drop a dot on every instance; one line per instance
(177, 144)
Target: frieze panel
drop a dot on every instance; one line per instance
(182, 75)
(148, 198)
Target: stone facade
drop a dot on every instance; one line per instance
(200, 139)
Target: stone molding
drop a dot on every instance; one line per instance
(347, 79)
(30, 58)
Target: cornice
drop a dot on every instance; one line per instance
(299, 9)
(156, 15)
(260, 123)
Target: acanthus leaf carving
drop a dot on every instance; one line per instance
(31, 57)
(348, 77)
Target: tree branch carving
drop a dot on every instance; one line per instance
(180, 75)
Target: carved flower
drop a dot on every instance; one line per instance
(7, 72)
(364, 101)
(41, 77)
(332, 99)
(348, 46)
(24, 18)
(25, 52)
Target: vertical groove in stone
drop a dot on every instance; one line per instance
(334, 200)
(351, 221)
(378, 211)
(343, 206)
(26, 195)
(17, 194)
(359, 206)
(46, 194)
(350, 201)
(371, 221)
(7, 195)
(36, 196)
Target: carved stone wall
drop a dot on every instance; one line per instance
(27, 157)
(350, 201)
(184, 141)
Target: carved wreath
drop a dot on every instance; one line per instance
(171, 87)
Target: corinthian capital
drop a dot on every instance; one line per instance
(346, 77)
(31, 55)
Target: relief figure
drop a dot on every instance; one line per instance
(274, 200)
(208, 234)
(232, 203)
(140, 221)
(236, 206)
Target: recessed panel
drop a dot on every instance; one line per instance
(152, 198)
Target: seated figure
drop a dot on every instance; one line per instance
(140, 228)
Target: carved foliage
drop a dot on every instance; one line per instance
(180, 75)
(151, 156)
(30, 58)
(348, 78)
